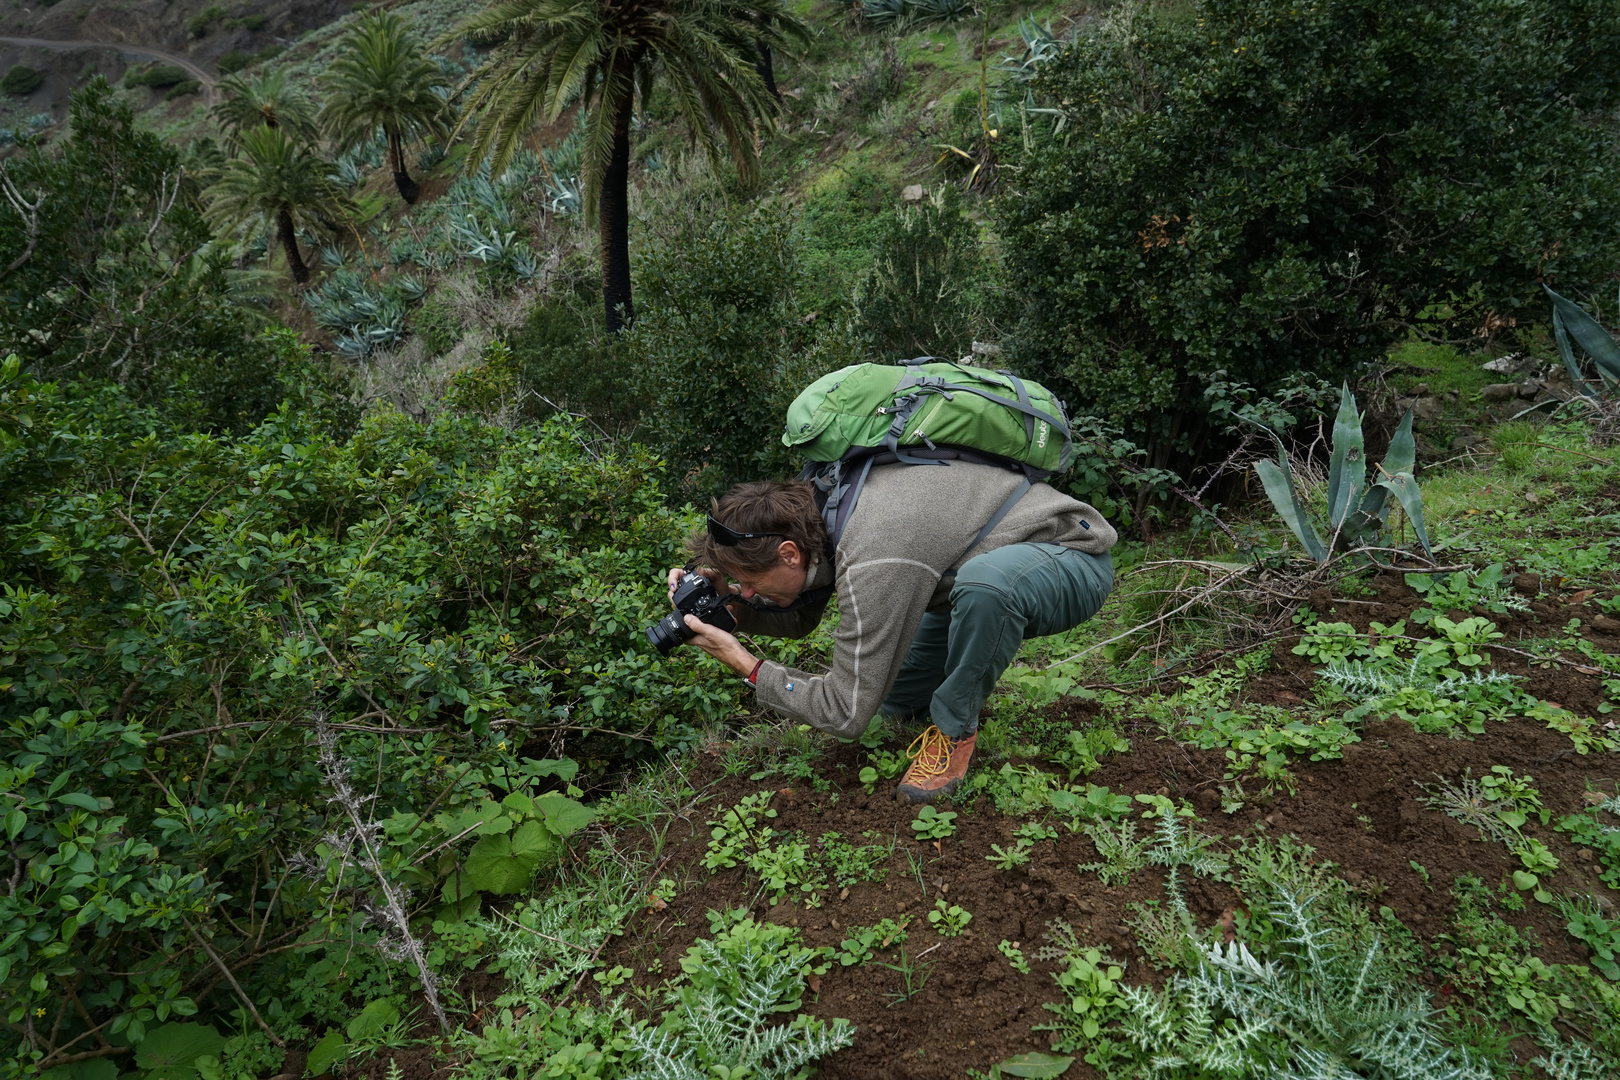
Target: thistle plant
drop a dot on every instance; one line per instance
(1122, 854)
(724, 1027)
(1328, 1006)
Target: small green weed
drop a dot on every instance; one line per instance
(1083, 754)
(1457, 592)
(950, 920)
(862, 942)
(1089, 980)
(1585, 922)
(1590, 829)
(1010, 858)
(1121, 853)
(934, 824)
(1014, 955)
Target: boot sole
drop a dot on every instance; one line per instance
(917, 796)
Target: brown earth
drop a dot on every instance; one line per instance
(1362, 813)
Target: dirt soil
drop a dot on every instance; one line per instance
(1362, 813)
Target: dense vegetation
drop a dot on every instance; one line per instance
(340, 475)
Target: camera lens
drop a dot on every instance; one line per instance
(668, 632)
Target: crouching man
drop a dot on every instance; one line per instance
(927, 618)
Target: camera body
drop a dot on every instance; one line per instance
(694, 595)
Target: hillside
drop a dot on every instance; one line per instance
(339, 501)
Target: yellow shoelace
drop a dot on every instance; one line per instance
(930, 754)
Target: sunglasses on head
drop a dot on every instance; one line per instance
(726, 536)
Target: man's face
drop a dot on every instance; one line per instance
(782, 583)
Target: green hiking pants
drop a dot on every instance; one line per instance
(1000, 599)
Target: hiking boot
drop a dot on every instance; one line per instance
(938, 764)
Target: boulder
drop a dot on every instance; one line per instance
(1505, 391)
(911, 193)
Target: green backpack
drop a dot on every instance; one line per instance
(926, 412)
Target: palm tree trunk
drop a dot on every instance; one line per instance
(408, 189)
(613, 222)
(289, 242)
(767, 74)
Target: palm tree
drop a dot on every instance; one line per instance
(606, 54)
(276, 179)
(270, 99)
(384, 79)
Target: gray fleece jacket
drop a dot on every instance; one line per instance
(912, 524)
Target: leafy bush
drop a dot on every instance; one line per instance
(21, 80)
(157, 76)
(721, 349)
(1260, 189)
(181, 89)
(234, 61)
(135, 293)
(919, 297)
(183, 615)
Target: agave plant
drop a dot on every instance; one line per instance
(1571, 321)
(1355, 508)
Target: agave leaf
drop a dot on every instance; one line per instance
(1279, 485)
(1403, 485)
(1570, 320)
(1401, 457)
(1347, 470)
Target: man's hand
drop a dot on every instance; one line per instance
(716, 578)
(722, 646)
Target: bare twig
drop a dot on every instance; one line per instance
(240, 993)
(362, 835)
(29, 211)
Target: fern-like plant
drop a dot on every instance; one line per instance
(1122, 853)
(723, 1028)
(1327, 1007)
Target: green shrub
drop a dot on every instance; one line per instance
(111, 296)
(21, 81)
(920, 295)
(198, 24)
(247, 22)
(181, 89)
(156, 76)
(720, 347)
(195, 606)
(1266, 188)
(566, 359)
(234, 61)
(839, 230)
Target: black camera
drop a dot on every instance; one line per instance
(694, 595)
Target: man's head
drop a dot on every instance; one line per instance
(789, 537)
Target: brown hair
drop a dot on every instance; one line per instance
(776, 506)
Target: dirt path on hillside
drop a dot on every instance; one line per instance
(209, 82)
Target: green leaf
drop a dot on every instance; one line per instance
(1524, 881)
(564, 769)
(1347, 469)
(1279, 485)
(1404, 487)
(326, 1053)
(564, 816)
(1570, 320)
(14, 823)
(1035, 1065)
(504, 864)
(81, 800)
(172, 1045)
(372, 1020)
